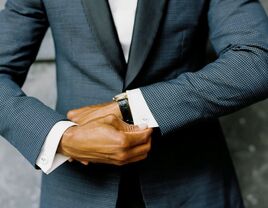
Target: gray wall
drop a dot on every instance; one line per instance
(246, 132)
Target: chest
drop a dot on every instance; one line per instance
(178, 15)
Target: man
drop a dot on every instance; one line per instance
(175, 155)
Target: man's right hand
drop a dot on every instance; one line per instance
(106, 140)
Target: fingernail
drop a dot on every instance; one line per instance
(143, 126)
(84, 163)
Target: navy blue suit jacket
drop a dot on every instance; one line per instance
(189, 165)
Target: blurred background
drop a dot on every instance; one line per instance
(246, 132)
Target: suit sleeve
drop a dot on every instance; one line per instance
(239, 77)
(24, 121)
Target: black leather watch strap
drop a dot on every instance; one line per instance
(125, 110)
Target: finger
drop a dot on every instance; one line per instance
(132, 160)
(81, 160)
(82, 118)
(113, 158)
(123, 126)
(79, 112)
(133, 128)
(134, 152)
(73, 113)
(92, 112)
(133, 137)
(90, 115)
(138, 137)
(84, 162)
(119, 163)
(87, 109)
(121, 155)
(120, 125)
(137, 159)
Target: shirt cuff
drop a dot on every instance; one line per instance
(48, 160)
(140, 111)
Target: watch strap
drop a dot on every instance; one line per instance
(125, 110)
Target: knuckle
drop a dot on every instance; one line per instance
(111, 118)
(145, 138)
(145, 156)
(70, 114)
(148, 148)
(149, 132)
(120, 163)
(150, 143)
(70, 132)
(124, 143)
(122, 157)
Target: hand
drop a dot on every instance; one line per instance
(106, 140)
(84, 115)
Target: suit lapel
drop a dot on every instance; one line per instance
(99, 17)
(148, 17)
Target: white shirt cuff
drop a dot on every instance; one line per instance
(140, 111)
(48, 160)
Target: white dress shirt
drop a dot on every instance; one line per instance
(123, 12)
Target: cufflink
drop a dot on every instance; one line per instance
(44, 159)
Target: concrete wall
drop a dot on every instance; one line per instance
(246, 132)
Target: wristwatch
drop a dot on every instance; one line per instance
(122, 101)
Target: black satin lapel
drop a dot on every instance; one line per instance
(100, 18)
(148, 17)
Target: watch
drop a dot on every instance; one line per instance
(122, 101)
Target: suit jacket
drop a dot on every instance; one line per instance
(189, 165)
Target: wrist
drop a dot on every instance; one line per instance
(65, 140)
